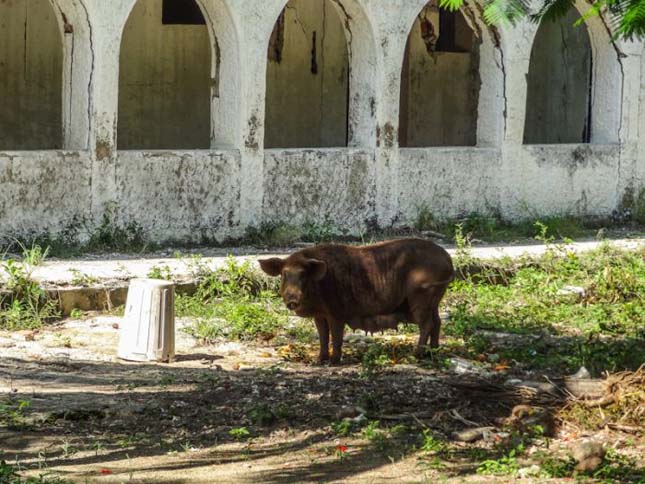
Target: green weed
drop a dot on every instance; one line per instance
(160, 272)
(506, 465)
(430, 443)
(81, 279)
(35, 255)
(602, 328)
(26, 306)
(240, 433)
(13, 413)
(9, 475)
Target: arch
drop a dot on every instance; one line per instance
(452, 80)
(31, 76)
(165, 78)
(595, 71)
(559, 81)
(225, 74)
(326, 49)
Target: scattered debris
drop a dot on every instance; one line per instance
(588, 454)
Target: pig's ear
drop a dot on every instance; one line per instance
(317, 268)
(273, 266)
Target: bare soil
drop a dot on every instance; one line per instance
(91, 417)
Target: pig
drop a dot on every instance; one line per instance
(372, 287)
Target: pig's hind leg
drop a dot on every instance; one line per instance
(424, 309)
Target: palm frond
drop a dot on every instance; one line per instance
(505, 11)
(452, 5)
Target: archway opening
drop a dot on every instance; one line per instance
(307, 99)
(31, 70)
(440, 81)
(165, 77)
(558, 101)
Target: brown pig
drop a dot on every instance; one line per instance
(372, 287)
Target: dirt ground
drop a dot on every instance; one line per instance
(238, 412)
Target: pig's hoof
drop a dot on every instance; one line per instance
(323, 359)
(420, 352)
(334, 361)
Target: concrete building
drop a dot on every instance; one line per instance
(196, 119)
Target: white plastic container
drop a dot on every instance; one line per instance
(148, 327)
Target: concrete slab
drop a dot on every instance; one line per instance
(115, 270)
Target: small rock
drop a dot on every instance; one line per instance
(347, 411)
(473, 435)
(531, 471)
(462, 367)
(513, 381)
(229, 348)
(526, 418)
(572, 290)
(588, 455)
(493, 357)
(115, 325)
(24, 335)
(6, 343)
(581, 374)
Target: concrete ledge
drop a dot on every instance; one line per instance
(110, 277)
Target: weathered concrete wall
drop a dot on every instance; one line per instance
(560, 180)
(449, 181)
(169, 196)
(334, 185)
(164, 82)
(559, 82)
(180, 196)
(307, 78)
(219, 192)
(43, 192)
(439, 89)
(31, 69)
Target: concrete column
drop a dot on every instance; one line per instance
(631, 178)
(255, 20)
(225, 69)
(107, 20)
(78, 59)
(516, 46)
(392, 21)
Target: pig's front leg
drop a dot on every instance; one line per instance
(337, 329)
(323, 337)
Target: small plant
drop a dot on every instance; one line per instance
(35, 255)
(13, 414)
(639, 207)
(27, 305)
(67, 448)
(81, 279)
(542, 233)
(9, 475)
(463, 253)
(240, 433)
(375, 435)
(110, 235)
(430, 443)
(167, 379)
(160, 272)
(375, 358)
(424, 219)
(76, 313)
(342, 427)
(262, 414)
(318, 232)
(506, 465)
